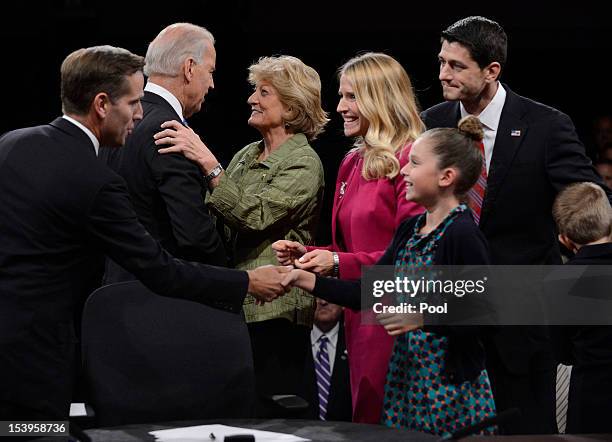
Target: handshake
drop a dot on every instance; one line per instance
(297, 269)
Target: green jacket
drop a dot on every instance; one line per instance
(262, 202)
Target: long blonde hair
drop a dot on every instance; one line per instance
(385, 98)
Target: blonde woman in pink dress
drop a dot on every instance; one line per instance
(379, 110)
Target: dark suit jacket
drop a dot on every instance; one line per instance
(168, 190)
(589, 350)
(62, 210)
(526, 173)
(339, 400)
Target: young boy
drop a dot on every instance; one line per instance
(584, 220)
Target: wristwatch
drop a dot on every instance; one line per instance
(336, 268)
(214, 173)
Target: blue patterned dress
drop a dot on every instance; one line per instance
(418, 394)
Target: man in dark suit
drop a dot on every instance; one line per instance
(328, 402)
(62, 211)
(532, 152)
(168, 191)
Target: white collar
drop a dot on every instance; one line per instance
(166, 95)
(316, 334)
(491, 114)
(85, 129)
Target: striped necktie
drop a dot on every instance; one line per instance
(323, 372)
(476, 194)
(562, 390)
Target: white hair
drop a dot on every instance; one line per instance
(168, 51)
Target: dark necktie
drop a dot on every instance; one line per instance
(323, 373)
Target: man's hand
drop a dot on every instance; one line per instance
(400, 323)
(317, 261)
(181, 139)
(288, 251)
(265, 283)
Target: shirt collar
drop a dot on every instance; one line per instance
(316, 334)
(284, 150)
(85, 129)
(166, 95)
(491, 114)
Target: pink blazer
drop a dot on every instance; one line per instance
(371, 211)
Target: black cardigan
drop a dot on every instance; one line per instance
(462, 244)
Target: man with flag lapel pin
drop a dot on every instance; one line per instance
(532, 152)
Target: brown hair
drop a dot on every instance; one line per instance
(89, 71)
(582, 212)
(460, 148)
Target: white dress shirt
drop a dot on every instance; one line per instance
(332, 336)
(89, 133)
(168, 96)
(489, 118)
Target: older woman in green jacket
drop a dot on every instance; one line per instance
(272, 189)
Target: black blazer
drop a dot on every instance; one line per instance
(462, 244)
(62, 210)
(168, 190)
(339, 406)
(536, 154)
(589, 350)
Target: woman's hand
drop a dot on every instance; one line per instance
(288, 251)
(181, 139)
(400, 323)
(317, 261)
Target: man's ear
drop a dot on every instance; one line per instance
(571, 245)
(188, 69)
(492, 71)
(101, 105)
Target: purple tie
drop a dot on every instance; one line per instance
(323, 372)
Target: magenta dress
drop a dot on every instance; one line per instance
(364, 218)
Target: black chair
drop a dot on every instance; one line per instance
(149, 358)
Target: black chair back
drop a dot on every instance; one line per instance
(149, 358)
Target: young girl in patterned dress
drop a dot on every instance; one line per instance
(436, 382)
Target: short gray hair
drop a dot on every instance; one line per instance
(168, 51)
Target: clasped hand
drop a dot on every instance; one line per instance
(317, 261)
(266, 282)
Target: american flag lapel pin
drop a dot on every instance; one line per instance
(515, 133)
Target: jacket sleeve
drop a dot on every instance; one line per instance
(565, 157)
(181, 185)
(113, 225)
(287, 192)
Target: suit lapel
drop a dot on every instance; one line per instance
(510, 134)
(340, 195)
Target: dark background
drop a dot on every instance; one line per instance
(558, 54)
